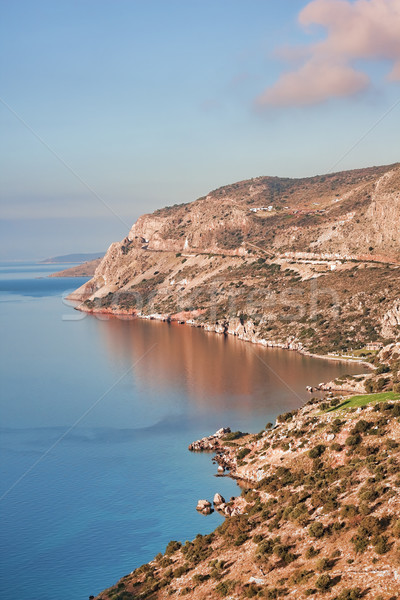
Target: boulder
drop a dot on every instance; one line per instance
(218, 499)
(210, 443)
(204, 506)
(222, 431)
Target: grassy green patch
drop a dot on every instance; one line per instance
(364, 399)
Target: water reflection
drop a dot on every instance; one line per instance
(214, 371)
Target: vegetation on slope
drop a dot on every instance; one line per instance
(320, 516)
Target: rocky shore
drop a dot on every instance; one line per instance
(318, 515)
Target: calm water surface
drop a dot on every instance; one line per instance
(96, 416)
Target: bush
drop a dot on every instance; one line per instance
(287, 416)
(284, 554)
(381, 544)
(368, 494)
(353, 440)
(361, 426)
(337, 447)
(311, 552)
(225, 587)
(360, 542)
(396, 529)
(337, 425)
(233, 435)
(324, 582)
(257, 539)
(241, 539)
(242, 453)
(200, 578)
(316, 529)
(179, 571)
(349, 511)
(172, 547)
(301, 575)
(317, 451)
(324, 564)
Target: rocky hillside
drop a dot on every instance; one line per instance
(313, 265)
(318, 517)
(310, 264)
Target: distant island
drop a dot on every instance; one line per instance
(80, 257)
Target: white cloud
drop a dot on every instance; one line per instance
(364, 29)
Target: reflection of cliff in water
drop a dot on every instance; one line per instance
(214, 370)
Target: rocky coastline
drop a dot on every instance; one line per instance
(313, 516)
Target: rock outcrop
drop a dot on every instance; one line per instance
(218, 499)
(204, 506)
(391, 321)
(210, 443)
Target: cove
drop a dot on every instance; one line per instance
(96, 417)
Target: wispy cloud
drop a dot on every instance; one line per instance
(360, 30)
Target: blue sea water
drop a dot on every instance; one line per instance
(96, 415)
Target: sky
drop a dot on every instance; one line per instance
(113, 108)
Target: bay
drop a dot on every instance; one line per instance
(96, 415)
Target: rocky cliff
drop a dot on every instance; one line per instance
(309, 264)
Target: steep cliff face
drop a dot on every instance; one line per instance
(309, 263)
(356, 212)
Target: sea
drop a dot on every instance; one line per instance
(96, 416)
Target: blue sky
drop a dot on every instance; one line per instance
(114, 108)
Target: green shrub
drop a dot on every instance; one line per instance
(396, 528)
(179, 571)
(233, 435)
(337, 447)
(337, 425)
(317, 451)
(301, 575)
(241, 539)
(225, 587)
(368, 494)
(311, 552)
(172, 547)
(349, 511)
(361, 426)
(200, 578)
(353, 440)
(324, 582)
(381, 544)
(316, 529)
(360, 542)
(324, 564)
(242, 453)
